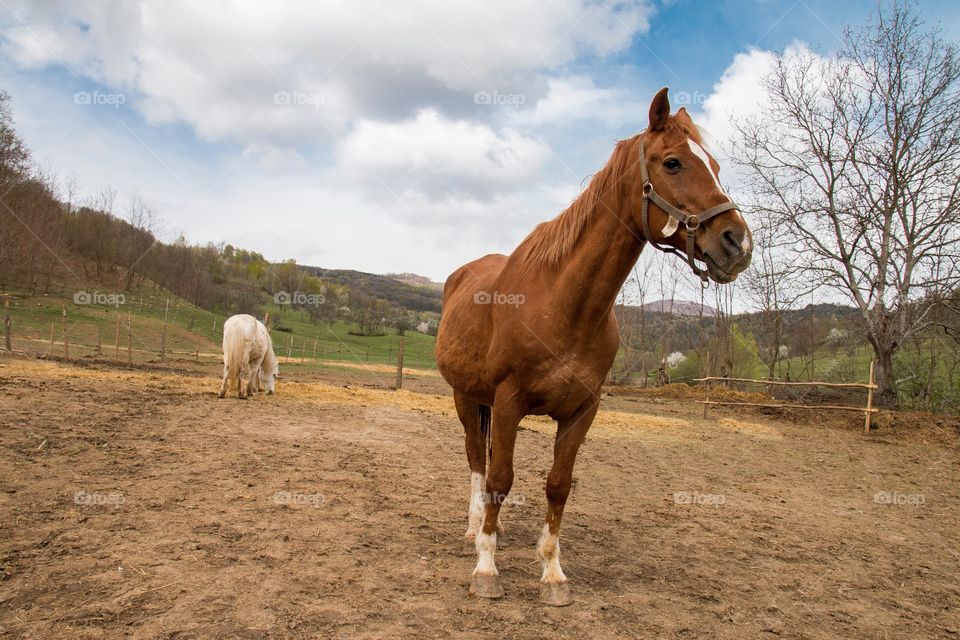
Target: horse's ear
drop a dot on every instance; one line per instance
(659, 110)
(683, 115)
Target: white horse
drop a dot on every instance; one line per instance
(248, 351)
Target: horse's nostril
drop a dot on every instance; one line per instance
(732, 242)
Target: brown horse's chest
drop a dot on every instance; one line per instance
(564, 378)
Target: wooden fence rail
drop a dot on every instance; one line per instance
(868, 410)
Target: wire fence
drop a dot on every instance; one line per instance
(138, 339)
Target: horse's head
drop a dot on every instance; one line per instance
(269, 375)
(679, 201)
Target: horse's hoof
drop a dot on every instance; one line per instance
(555, 594)
(486, 587)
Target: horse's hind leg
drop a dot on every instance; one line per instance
(554, 589)
(507, 412)
(243, 372)
(254, 385)
(226, 376)
(475, 441)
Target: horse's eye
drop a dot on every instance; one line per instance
(672, 165)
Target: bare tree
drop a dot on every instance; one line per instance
(857, 159)
(770, 289)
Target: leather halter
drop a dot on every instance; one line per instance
(690, 221)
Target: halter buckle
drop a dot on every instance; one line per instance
(692, 223)
(647, 188)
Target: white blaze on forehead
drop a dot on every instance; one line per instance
(701, 153)
(705, 159)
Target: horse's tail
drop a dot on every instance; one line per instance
(233, 351)
(485, 430)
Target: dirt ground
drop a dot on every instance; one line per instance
(134, 503)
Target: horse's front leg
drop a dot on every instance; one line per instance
(554, 588)
(506, 415)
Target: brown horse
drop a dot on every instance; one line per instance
(535, 332)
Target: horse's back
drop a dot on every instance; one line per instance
(239, 334)
(474, 276)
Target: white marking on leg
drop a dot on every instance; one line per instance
(475, 513)
(486, 547)
(548, 550)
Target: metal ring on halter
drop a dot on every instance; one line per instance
(647, 188)
(692, 223)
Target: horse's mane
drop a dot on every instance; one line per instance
(551, 241)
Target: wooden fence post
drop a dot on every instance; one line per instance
(7, 325)
(303, 350)
(163, 336)
(197, 354)
(866, 421)
(66, 344)
(400, 366)
(129, 337)
(51, 336)
(315, 341)
(116, 346)
(290, 349)
(213, 331)
(99, 343)
(706, 398)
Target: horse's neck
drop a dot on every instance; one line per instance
(593, 274)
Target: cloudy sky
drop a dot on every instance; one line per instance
(402, 135)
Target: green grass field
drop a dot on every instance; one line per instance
(189, 330)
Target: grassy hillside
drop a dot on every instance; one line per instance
(189, 329)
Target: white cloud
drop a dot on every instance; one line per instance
(217, 68)
(739, 93)
(572, 99)
(438, 157)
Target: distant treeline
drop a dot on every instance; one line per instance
(49, 240)
(399, 293)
